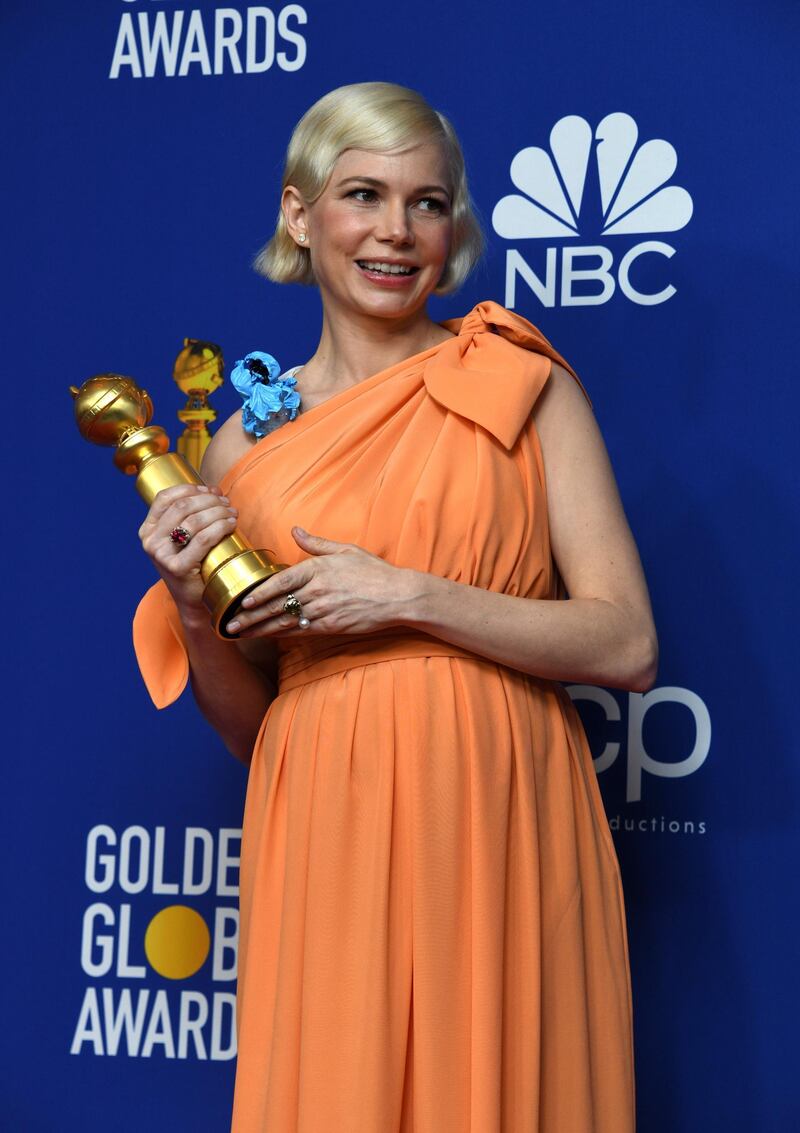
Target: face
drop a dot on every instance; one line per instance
(379, 212)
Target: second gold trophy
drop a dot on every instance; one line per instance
(112, 410)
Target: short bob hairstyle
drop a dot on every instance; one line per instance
(371, 116)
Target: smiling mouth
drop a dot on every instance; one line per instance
(386, 269)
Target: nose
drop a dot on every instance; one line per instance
(394, 225)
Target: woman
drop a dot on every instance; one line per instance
(432, 922)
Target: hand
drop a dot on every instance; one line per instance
(342, 589)
(208, 518)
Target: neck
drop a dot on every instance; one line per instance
(352, 347)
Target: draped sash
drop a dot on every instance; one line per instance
(490, 374)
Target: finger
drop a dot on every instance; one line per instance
(167, 496)
(257, 634)
(182, 509)
(276, 629)
(198, 521)
(274, 609)
(315, 544)
(193, 525)
(277, 621)
(310, 596)
(182, 560)
(209, 536)
(247, 619)
(287, 581)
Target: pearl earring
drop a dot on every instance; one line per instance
(302, 237)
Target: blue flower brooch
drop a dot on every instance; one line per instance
(269, 399)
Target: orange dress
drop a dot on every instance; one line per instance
(433, 931)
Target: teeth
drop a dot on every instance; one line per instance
(389, 269)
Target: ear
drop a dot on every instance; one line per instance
(295, 213)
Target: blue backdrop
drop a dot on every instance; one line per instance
(635, 169)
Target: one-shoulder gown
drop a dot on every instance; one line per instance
(433, 932)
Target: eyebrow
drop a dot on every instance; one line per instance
(382, 185)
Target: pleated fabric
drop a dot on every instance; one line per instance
(433, 934)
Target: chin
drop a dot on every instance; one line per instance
(412, 297)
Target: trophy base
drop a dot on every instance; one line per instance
(229, 584)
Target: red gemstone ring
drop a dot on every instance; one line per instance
(180, 536)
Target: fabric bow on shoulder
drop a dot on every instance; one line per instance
(481, 375)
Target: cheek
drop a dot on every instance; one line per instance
(439, 242)
(345, 231)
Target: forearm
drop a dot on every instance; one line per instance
(232, 694)
(585, 640)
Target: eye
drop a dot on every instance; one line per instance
(370, 193)
(433, 204)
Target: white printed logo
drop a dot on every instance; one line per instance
(627, 742)
(222, 41)
(634, 198)
(142, 956)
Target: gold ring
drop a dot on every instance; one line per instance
(292, 606)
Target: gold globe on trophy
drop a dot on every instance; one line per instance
(112, 410)
(197, 372)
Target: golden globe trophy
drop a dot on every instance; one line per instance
(112, 410)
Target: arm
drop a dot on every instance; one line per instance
(604, 632)
(232, 693)
(233, 685)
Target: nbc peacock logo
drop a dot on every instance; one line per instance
(566, 195)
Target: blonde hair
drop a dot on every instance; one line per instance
(380, 117)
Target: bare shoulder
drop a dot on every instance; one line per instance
(561, 393)
(229, 444)
(563, 415)
(591, 541)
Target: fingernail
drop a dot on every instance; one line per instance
(248, 601)
(233, 626)
(302, 530)
(224, 500)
